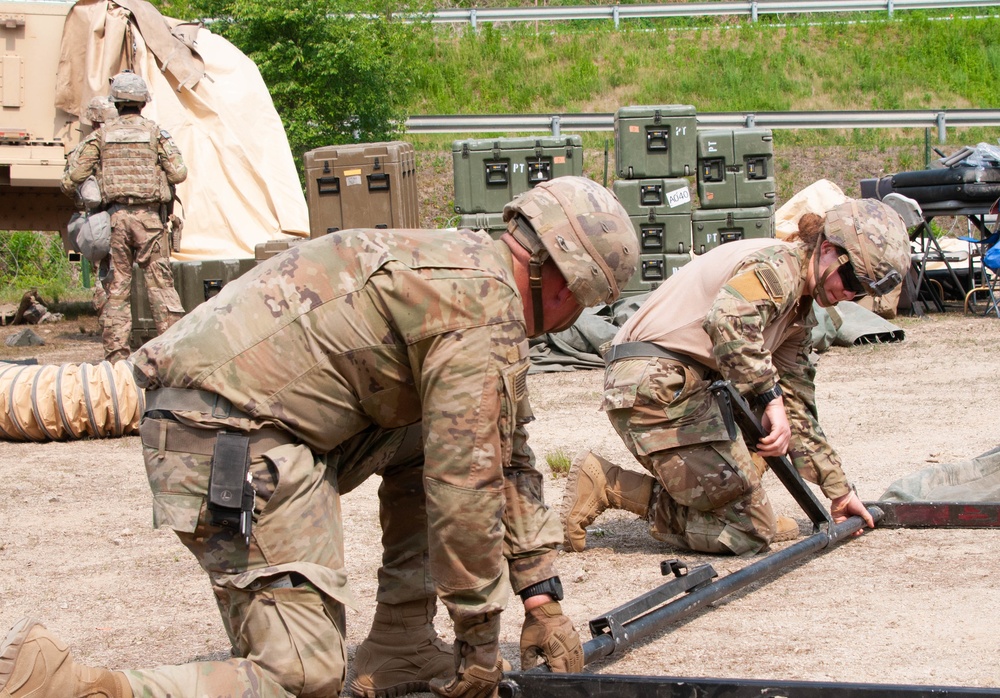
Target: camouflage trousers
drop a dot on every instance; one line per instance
(709, 491)
(282, 597)
(137, 237)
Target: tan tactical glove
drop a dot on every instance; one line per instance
(548, 636)
(479, 672)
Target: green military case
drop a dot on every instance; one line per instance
(736, 168)
(489, 172)
(663, 234)
(265, 250)
(657, 141)
(195, 282)
(363, 185)
(652, 271)
(662, 196)
(492, 223)
(713, 227)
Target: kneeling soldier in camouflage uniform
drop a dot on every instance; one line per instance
(743, 312)
(332, 362)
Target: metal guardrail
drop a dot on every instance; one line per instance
(555, 123)
(752, 8)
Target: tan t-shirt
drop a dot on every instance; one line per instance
(738, 309)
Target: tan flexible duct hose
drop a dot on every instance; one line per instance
(51, 402)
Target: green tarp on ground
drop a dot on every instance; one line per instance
(975, 480)
(847, 324)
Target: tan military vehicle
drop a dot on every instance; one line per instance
(34, 135)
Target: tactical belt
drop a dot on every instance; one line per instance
(184, 400)
(633, 350)
(230, 485)
(166, 435)
(130, 205)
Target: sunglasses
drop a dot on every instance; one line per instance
(850, 280)
(864, 286)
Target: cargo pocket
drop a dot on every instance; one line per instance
(691, 417)
(178, 481)
(463, 557)
(701, 477)
(513, 405)
(151, 245)
(621, 383)
(296, 633)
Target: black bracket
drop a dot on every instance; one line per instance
(615, 621)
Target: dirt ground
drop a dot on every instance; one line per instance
(77, 548)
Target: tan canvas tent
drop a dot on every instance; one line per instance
(242, 188)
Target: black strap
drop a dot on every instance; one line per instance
(631, 350)
(190, 400)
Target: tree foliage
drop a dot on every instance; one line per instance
(337, 70)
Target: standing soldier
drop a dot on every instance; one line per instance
(137, 162)
(743, 312)
(99, 111)
(397, 352)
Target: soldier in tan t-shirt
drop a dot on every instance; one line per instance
(742, 312)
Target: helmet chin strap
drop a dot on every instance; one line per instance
(539, 255)
(819, 289)
(535, 285)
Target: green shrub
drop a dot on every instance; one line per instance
(34, 260)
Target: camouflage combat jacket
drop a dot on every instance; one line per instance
(739, 310)
(389, 328)
(67, 185)
(137, 161)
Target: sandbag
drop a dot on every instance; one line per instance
(52, 402)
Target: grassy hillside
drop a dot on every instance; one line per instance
(910, 63)
(814, 63)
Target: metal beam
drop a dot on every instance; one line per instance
(746, 8)
(573, 123)
(655, 622)
(539, 685)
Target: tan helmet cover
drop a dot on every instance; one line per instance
(585, 230)
(128, 87)
(101, 110)
(875, 239)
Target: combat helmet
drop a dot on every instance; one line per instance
(100, 110)
(129, 87)
(584, 229)
(876, 242)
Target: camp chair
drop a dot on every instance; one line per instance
(989, 268)
(917, 224)
(991, 273)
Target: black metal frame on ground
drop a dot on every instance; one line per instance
(532, 685)
(692, 590)
(947, 279)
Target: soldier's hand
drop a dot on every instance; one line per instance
(848, 505)
(548, 636)
(779, 430)
(483, 669)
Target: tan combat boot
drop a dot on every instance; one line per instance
(595, 484)
(402, 652)
(34, 663)
(785, 529)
